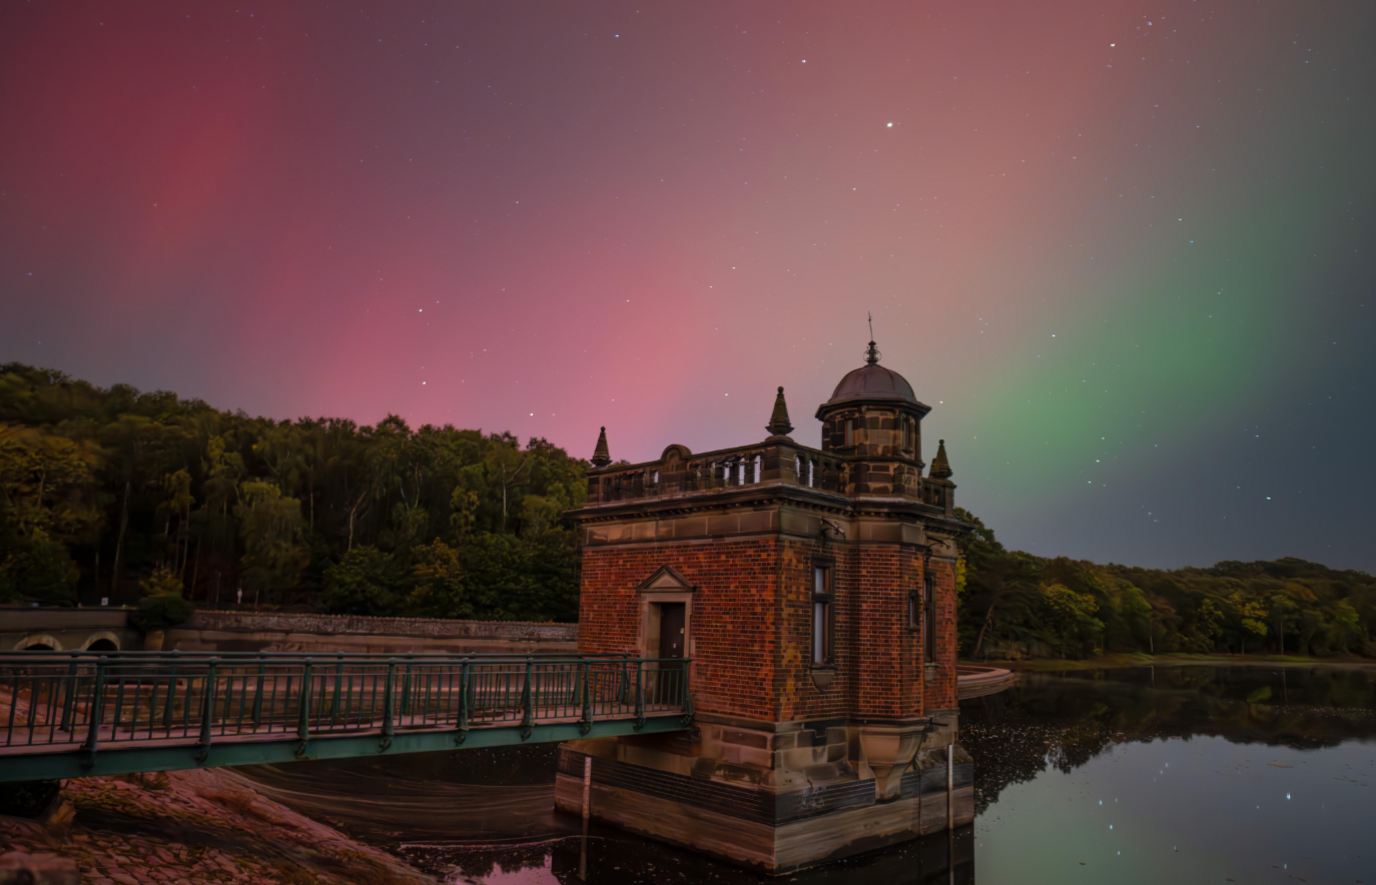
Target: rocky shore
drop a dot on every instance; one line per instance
(198, 827)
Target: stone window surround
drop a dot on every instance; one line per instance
(658, 588)
(828, 563)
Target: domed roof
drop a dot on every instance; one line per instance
(873, 382)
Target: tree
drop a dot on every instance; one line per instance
(1070, 617)
(1251, 614)
(47, 483)
(40, 569)
(437, 587)
(271, 528)
(162, 605)
(1345, 628)
(1283, 611)
(363, 583)
(1203, 626)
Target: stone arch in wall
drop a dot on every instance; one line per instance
(101, 640)
(38, 642)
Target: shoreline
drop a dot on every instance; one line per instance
(1120, 661)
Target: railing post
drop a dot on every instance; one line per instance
(388, 730)
(258, 694)
(639, 695)
(334, 698)
(207, 712)
(464, 675)
(585, 725)
(69, 702)
(687, 692)
(169, 704)
(527, 702)
(303, 722)
(95, 713)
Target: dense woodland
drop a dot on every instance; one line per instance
(144, 496)
(1016, 605)
(121, 494)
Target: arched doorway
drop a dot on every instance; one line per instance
(102, 640)
(38, 642)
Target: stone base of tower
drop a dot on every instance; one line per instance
(776, 797)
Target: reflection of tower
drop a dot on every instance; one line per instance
(813, 591)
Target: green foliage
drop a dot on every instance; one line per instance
(1069, 617)
(162, 605)
(1016, 605)
(364, 583)
(163, 582)
(40, 570)
(271, 528)
(161, 612)
(123, 482)
(437, 583)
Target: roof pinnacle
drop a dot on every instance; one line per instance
(941, 467)
(601, 457)
(779, 425)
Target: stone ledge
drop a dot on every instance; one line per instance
(341, 625)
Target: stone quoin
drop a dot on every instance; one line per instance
(812, 592)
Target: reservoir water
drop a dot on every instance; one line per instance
(1142, 775)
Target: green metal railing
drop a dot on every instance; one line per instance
(92, 704)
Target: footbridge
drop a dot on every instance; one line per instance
(75, 714)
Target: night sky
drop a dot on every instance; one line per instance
(1124, 250)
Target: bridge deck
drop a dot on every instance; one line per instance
(75, 714)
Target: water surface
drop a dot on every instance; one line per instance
(1181, 774)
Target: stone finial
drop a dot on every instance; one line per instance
(941, 468)
(779, 425)
(601, 457)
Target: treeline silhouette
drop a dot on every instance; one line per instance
(1016, 605)
(133, 496)
(120, 494)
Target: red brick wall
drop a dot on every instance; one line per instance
(732, 635)
(941, 694)
(751, 625)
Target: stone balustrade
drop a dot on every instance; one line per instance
(680, 472)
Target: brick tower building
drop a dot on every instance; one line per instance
(812, 592)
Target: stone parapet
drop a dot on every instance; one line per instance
(292, 631)
(333, 625)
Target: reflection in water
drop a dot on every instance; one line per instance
(1192, 774)
(1190, 763)
(1062, 721)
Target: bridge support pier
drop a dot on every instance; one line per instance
(776, 796)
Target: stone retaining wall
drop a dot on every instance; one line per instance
(306, 632)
